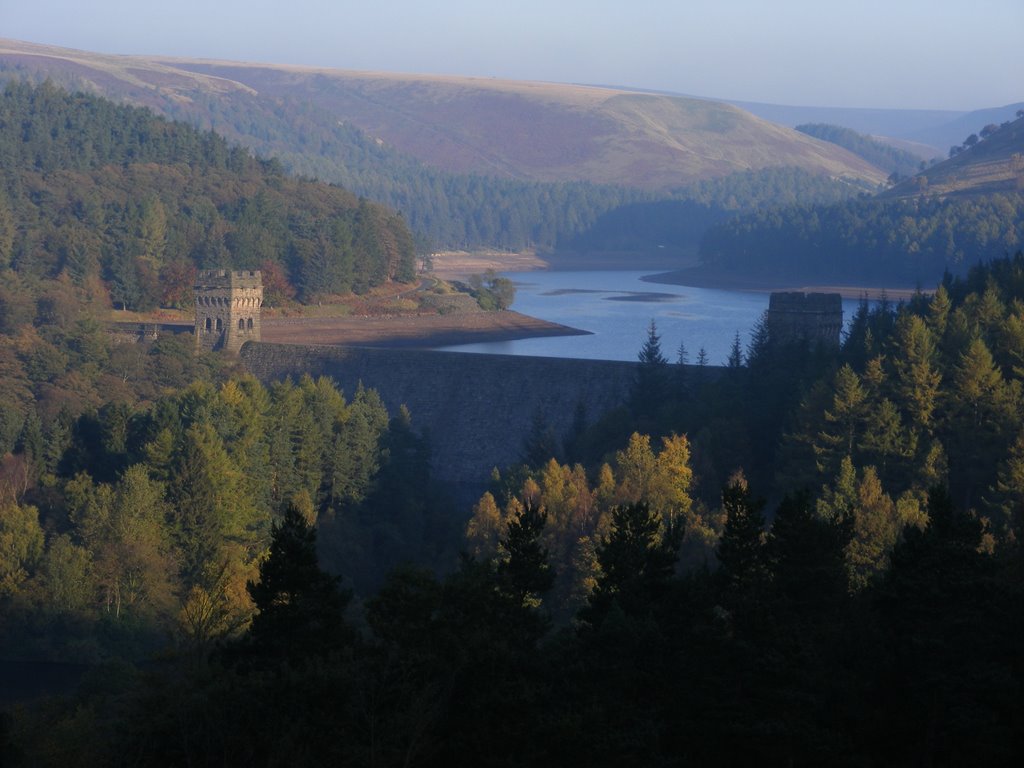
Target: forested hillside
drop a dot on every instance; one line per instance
(947, 217)
(681, 221)
(132, 523)
(652, 606)
(444, 209)
(898, 162)
(513, 193)
(472, 211)
(103, 204)
(139, 481)
(902, 242)
(95, 191)
(811, 556)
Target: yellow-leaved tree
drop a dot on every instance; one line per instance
(579, 513)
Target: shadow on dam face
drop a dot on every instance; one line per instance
(476, 410)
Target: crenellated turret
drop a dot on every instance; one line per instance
(227, 308)
(814, 317)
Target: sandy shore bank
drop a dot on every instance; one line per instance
(458, 265)
(422, 331)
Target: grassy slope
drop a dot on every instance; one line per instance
(995, 164)
(535, 131)
(551, 132)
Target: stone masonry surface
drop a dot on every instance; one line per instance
(795, 316)
(227, 308)
(476, 410)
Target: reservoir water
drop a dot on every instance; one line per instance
(617, 307)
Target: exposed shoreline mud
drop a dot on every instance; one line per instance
(419, 331)
(428, 330)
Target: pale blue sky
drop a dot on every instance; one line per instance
(935, 54)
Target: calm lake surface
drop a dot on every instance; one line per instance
(616, 307)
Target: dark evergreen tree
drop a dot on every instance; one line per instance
(300, 608)
(542, 444)
(806, 552)
(742, 551)
(952, 645)
(31, 443)
(735, 359)
(524, 572)
(652, 385)
(637, 561)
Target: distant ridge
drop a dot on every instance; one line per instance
(517, 130)
(928, 133)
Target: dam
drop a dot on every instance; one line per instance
(475, 410)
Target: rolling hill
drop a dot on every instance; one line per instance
(993, 165)
(91, 190)
(539, 132)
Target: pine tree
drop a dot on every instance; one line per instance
(951, 631)
(885, 441)
(917, 377)
(741, 551)
(213, 517)
(807, 552)
(682, 358)
(938, 310)
(1008, 497)
(735, 360)
(844, 417)
(31, 444)
(876, 527)
(651, 386)
(637, 561)
(542, 443)
(837, 503)
(650, 353)
(524, 573)
(759, 350)
(300, 608)
(983, 411)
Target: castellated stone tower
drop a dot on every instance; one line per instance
(227, 308)
(814, 317)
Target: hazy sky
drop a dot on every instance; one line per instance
(940, 54)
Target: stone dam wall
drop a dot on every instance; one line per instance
(815, 317)
(476, 410)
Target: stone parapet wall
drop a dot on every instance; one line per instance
(133, 333)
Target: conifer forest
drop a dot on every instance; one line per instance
(812, 555)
